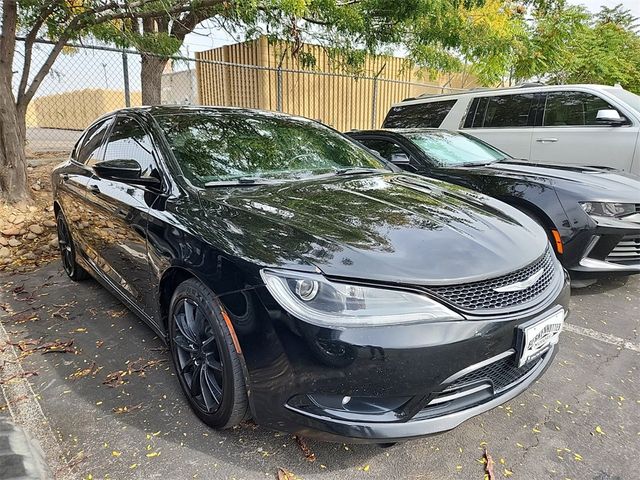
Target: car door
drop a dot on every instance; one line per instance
(118, 214)
(505, 121)
(72, 187)
(569, 132)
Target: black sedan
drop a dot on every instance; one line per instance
(304, 282)
(591, 215)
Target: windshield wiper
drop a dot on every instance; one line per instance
(357, 170)
(238, 182)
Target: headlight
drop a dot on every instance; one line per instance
(607, 209)
(316, 300)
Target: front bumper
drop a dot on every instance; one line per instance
(412, 380)
(611, 247)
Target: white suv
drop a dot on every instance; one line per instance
(572, 124)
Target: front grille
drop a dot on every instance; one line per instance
(482, 295)
(627, 250)
(501, 374)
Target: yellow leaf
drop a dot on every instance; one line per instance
(366, 468)
(153, 454)
(116, 453)
(599, 430)
(507, 472)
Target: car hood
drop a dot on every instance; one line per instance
(392, 228)
(594, 183)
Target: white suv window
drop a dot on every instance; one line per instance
(421, 115)
(502, 111)
(572, 108)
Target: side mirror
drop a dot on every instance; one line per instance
(400, 159)
(125, 170)
(609, 117)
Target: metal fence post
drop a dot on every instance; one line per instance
(279, 89)
(125, 74)
(374, 103)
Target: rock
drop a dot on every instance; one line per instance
(49, 208)
(18, 220)
(4, 242)
(14, 243)
(30, 256)
(53, 243)
(36, 187)
(30, 236)
(33, 209)
(11, 218)
(35, 228)
(5, 252)
(10, 232)
(49, 223)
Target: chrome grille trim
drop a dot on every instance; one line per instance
(480, 296)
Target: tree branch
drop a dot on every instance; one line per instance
(28, 46)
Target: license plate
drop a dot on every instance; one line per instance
(538, 336)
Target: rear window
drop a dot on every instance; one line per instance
(501, 111)
(421, 115)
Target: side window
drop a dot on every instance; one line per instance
(128, 140)
(386, 148)
(501, 111)
(572, 108)
(421, 115)
(88, 147)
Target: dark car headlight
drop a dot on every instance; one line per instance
(314, 299)
(608, 209)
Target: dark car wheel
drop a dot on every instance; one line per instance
(68, 251)
(205, 358)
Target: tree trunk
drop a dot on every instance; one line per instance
(13, 164)
(151, 79)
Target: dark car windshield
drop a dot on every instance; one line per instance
(221, 146)
(450, 149)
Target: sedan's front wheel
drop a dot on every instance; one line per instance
(68, 251)
(205, 356)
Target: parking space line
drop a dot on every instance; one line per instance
(602, 337)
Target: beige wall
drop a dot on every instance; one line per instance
(343, 101)
(77, 109)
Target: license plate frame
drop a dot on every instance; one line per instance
(535, 337)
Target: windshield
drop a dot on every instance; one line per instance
(449, 149)
(626, 96)
(213, 146)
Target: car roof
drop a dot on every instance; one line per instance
(402, 131)
(479, 91)
(157, 110)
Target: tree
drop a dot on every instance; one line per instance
(61, 21)
(432, 31)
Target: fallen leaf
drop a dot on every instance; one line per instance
(488, 468)
(284, 474)
(302, 443)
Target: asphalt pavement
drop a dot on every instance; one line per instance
(105, 391)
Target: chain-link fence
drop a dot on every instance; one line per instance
(88, 81)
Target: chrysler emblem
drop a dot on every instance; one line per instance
(516, 287)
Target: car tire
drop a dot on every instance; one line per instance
(68, 251)
(206, 356)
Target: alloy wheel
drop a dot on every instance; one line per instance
(198, 356)
(66, 247)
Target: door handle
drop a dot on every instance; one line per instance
(122, 213)
(94, 189)
(546, 140)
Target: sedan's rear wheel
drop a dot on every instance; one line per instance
(68, 251)
(204, 355)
